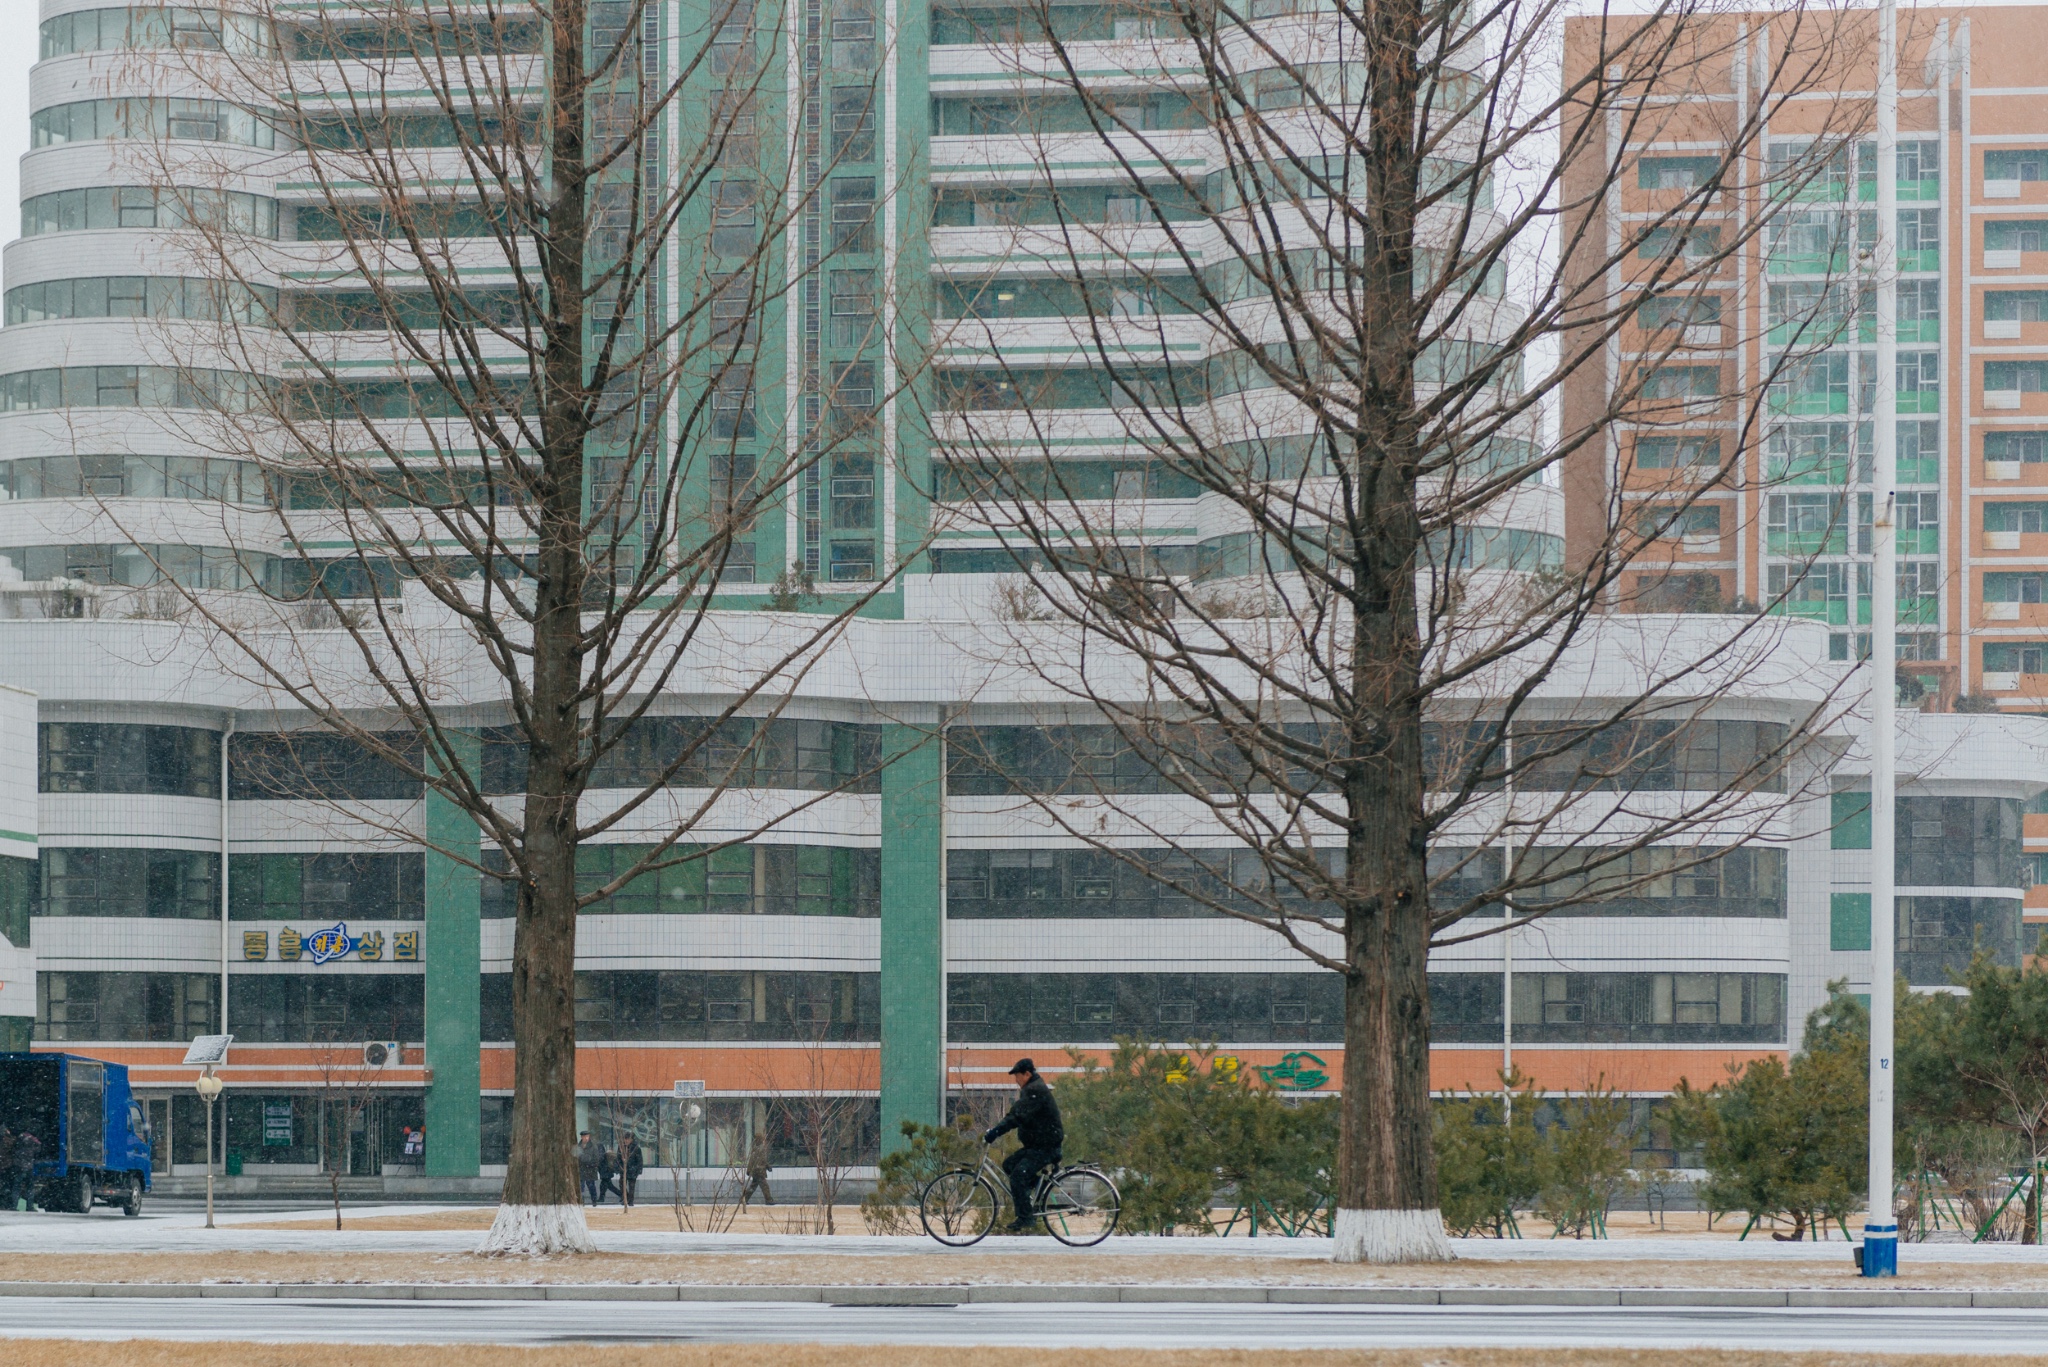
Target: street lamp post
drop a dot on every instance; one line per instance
(1880, 1225)
(209, 1087)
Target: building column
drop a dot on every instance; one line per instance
(913, 952)
(454, 957)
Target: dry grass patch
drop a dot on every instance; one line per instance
(61, 1353)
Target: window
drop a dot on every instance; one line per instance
(366, 886)
(1668, 520)
(2028, 377)
(853, 493)
(1233, 1008)
(2027, 306)
(853, 122)
(1663, 880)
(742, 753)
(140, 207)
(853, 214)
(2024, 586)
(2016, 163)
(1642, 1008)
(1682, 382)
(853, 35)
(138, 296)
(689, 1005)
(139, 1007)
(172, 884)
(853, 307)
(1699, 756)
(1676, 173)
(851, 398)
(2016, 657)
(285, 1008)
(2030, 447)
(2028, 518)
(733, 217)
(1682, 311)
(1672, 453)
(2016, 235)
(733, 318)
(118, 757)
(732, 125)
(321, 766)
(732, 403)
(1693, 243)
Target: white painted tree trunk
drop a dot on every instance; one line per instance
(1391, 1236)
(536, 1232)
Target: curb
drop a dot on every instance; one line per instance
(1560, 1297)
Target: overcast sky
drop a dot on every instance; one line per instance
(18, 23)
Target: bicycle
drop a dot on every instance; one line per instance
(1079, 1204)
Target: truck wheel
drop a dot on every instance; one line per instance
(83, 1200)
(132, 1207)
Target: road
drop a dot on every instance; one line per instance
(1244, 1326)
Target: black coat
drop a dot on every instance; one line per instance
(1035, 1116)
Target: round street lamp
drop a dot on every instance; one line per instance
(209, 1087)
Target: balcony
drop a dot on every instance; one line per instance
(2001, 329)
(2001, 683)
(1995, 470)
(2001, 612)
(2001, 189)
(2001, 541)
(2001, 260)
(2002, 400)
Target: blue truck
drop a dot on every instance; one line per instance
(94, 1138)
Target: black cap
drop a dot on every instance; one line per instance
(1023, 1065)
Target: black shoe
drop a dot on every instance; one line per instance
(1022, 1227)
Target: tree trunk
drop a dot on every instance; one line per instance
(1386, 1193)
(541, 1212)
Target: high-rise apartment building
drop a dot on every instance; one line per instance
(897, 934)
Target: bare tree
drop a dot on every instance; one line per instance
(825, 1112)
(346, 1089)
(558, 249)
(1345, 280)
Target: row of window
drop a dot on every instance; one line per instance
(1610, 1008)
(739, 880)
(122, 757)
(185, 884)
(1700, 755)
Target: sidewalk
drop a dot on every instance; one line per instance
(174, 1250)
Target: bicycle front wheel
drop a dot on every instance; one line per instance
(958, 1208)
(1081, 1207)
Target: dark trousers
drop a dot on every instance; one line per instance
(1023, 1166)
(631, 1186)
(590, 1196)
(608, 1184)
(21, 1185)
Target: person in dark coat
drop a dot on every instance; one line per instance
(587, 1161)
(21, 1186)
(1035, 1116)
(757, 1171)
(631, 1163)
(607, 1175)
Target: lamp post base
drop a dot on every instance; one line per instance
(1879, 1254)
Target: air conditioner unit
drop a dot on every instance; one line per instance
(383, 1053)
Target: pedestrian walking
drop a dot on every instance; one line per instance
(587, 1155)
(607, 1175)
(21, 1185)
(757, 1172)
(631, 1163)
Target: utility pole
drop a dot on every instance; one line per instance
(1880, 1225)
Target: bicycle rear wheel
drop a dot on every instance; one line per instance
(1081, 1207)
(958, 1208)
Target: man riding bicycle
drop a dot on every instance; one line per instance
(1035, 1116)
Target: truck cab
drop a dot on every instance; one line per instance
(92, 1135)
